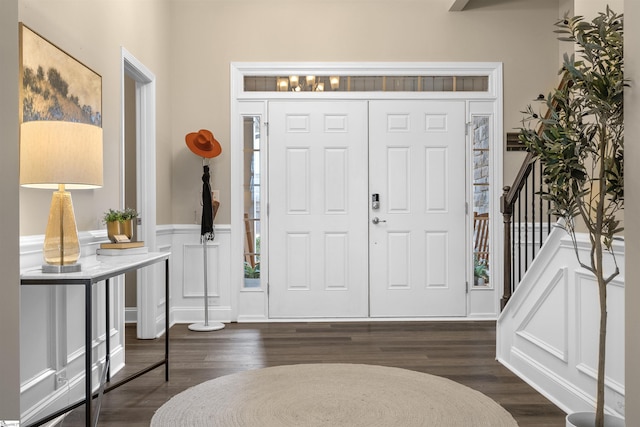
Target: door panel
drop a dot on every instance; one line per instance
(417, 249)
(318, 198)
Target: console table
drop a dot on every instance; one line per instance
(97, 269)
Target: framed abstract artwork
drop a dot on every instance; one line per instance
(54, 86)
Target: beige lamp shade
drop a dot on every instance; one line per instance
(60, 155)
(56, 152)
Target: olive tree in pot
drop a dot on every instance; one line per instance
(580, 144)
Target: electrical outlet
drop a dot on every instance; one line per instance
(620, 403)
(61, 378)
(215, 195)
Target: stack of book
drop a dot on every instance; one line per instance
(122, 248)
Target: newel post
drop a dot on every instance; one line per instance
(507, 210)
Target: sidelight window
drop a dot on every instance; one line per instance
(480, 134)
(252, 207)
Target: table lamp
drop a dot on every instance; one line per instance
(60, 155)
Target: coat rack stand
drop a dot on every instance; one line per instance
(207, 234)
(206, 326)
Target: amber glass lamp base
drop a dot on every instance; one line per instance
(61, 245)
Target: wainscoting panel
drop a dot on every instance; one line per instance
(587, 329)
(550, 311)
(187, 274)
(193, 270)
(548, 332)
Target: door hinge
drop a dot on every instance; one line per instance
(266, 125)
(466, 128)
(267, 209)
(467, 287)
(466, 208)
(267, 288)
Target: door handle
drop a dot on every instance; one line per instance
(376, 220)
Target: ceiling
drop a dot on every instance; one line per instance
(461, 5)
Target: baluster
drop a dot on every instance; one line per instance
(533, 212)
(548, 217)
(526, 224)
(540, 201)
(513, 254)
(519, 235)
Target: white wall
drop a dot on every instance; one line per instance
(632, 208)
(566, 8)
(516, 32)
(590, 8)
(192, 67)
(9, 284)
(94, 33)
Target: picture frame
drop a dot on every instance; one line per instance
(513, 143)
(54, 85)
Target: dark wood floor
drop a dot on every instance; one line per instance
(461, 351)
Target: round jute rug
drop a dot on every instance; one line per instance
(333, 395)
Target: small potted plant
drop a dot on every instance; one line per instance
(120, 223)
(480, 271)
(251, 272)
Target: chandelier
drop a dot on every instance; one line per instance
(308, 83)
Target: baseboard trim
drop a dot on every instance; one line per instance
(131, 315)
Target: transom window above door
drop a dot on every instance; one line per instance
(311, 83)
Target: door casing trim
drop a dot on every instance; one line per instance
(145, 80)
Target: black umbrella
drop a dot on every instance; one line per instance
(206, 226)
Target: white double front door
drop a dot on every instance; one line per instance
(332, 252)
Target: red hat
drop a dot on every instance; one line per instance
(203, 144)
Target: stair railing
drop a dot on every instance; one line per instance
(527, 223)
(526, 218)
